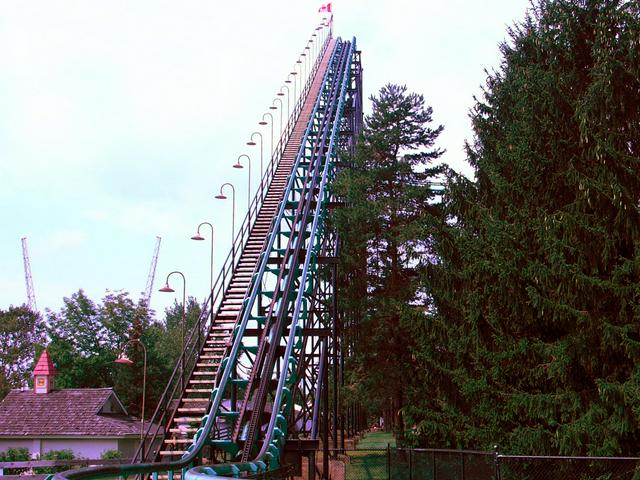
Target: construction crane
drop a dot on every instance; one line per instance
(146, 295)
(31, 296)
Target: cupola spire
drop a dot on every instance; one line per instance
(43, 374)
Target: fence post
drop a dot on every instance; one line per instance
(410, 464)
(388, 462)
(496, 460)
(433, 454)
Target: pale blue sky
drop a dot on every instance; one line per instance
(119, 120)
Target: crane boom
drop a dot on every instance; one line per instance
(31, 296)
(152, 273)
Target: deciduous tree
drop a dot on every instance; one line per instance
(22, 332)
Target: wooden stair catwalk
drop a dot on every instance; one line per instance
(195, 401)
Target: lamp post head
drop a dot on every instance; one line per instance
(167, 289)
(197, 236)
(280, 94)
(238, 164)
(221, 196)
(123, 359)
(287, 81)
(251, 143)
(263, 123)
(273, 108)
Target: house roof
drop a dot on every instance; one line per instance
(68, 412)
(44, 365)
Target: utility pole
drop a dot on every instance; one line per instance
(146, 295)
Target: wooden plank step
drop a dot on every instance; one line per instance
(186, 420)
(183, 430)
(175, 441)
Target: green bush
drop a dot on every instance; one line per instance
(15, 455)
(56, 455)
(111, 455)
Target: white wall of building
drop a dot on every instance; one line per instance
(89, 448)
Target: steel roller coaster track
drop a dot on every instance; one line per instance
(255, 364)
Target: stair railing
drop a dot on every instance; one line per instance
(167, 405)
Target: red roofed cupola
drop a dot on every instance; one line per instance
(43, 374)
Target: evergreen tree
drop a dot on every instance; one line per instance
(389, 200)
(535, 343)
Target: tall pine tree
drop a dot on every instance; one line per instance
(389, 199)
(536, 341)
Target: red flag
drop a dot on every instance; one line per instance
(325, 8)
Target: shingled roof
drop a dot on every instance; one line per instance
(82, 412)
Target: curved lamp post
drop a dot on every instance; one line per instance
(200, 238)
(281, 94)
(263, 122)
(253, 144)
(168, 289)
(295, 96)
(222, 196)
(307, 58)
(239, 165)
(312, 50)
(124, 360)
(299, 64)
(320, 29)
(295, 85)
(303, 71)
(273, 107)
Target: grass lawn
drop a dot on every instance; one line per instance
(376, 440)
(369, 462)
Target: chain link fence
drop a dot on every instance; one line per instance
(515, 467)
(431, 464)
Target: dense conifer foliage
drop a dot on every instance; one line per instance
(389, 202)
(535, 339)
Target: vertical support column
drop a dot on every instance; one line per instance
(325, 417)
(311, 473)
(334, 341)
